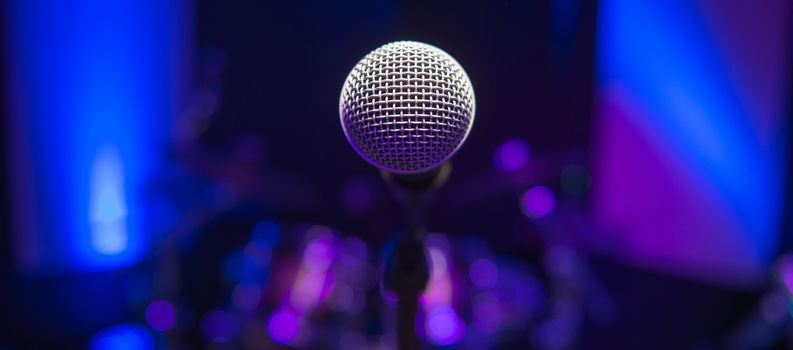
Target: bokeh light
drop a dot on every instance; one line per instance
(487, 314)
(287, 328)
(444, 326)
(483, 273)
(319, 253)
(123, 337)
(161, 315)
(258, 254)
(512, 155)
(538, 202)
(314, 277)
(439, 287)
(341, 298)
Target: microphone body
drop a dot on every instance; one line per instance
(406, 108)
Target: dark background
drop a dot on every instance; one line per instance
(274, 140)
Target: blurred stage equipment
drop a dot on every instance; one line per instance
(406, 108)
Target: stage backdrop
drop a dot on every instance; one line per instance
(691, 134)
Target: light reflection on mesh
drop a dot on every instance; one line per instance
(407, 106)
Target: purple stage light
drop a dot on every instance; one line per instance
(444, 327)
(389, 297)
(483, 273)
(692, 135)
(538, 202)
(439, 288)
(784, 273)
(439, 241)
(788, 278)
(287, 328)
(161, 315)
(512, 155)
(319, 253)
(283, 326)
(345, 298)
(314, 277)
(487, 313)
(219, 326)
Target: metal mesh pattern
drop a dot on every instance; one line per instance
(407, 106)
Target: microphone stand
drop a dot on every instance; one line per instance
(410, 269)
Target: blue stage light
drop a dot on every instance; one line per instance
(93, 86)
(123, 337)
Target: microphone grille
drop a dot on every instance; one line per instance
(407, 106)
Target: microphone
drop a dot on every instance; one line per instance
(407, 107)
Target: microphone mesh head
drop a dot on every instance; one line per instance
(407, 106)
